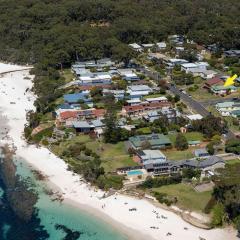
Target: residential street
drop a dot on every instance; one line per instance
(198, 107)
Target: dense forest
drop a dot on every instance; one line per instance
(56, 31)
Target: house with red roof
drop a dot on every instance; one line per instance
(143, 108)
(212, 82)
(76, 115)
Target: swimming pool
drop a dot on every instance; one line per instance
(134, 172)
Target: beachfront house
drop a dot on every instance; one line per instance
(89, 126)
(82, 126)
(95, 79)
(101, 63)
(151, 159)
(156, 141)
(68, 116)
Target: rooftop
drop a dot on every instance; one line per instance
(221, 87)
(155, 140)
(225, 104)
(194, 117)
(139, 88)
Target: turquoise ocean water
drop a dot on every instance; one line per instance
(51, 213)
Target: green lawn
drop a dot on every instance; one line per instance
(190, 136)
(233, 161)
(153, 95)
(173, 154)
(68, 75)
(145, 130)
(202, 94)
(231, 125)
(187, 197)
(113, 155)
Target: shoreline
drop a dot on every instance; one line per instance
(136, 225)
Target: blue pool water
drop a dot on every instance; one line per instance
(135, 172)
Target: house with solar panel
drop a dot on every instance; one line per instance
(155, 141)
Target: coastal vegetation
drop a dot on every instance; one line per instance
(226, 196)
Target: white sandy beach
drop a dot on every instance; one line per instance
(12, 90)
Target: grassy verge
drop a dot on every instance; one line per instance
(187, 197)
(68, 75)
(173, 154)
(233, 161)
(112, 155)
(190, 136)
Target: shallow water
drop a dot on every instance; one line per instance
(49, 214)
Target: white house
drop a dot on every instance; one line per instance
(194, 117)
(161, 45)
(226, 108)
(194, 67)
(207, 74)
(157, 99)
(138, 91)
(148, 45)
(176, 61)
(95, 79)
(136, 47)
(128, 74)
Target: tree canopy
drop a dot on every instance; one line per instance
(62, 31)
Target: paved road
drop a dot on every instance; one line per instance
(196, 106)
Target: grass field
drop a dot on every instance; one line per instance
(112, 155)
(187, 197)
(202, 94)
(190, 136)
(153, 96)
(233, 161)
(173, 154)
(68, 75)
(145, 130)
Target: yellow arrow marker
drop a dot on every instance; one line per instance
(230, 81)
